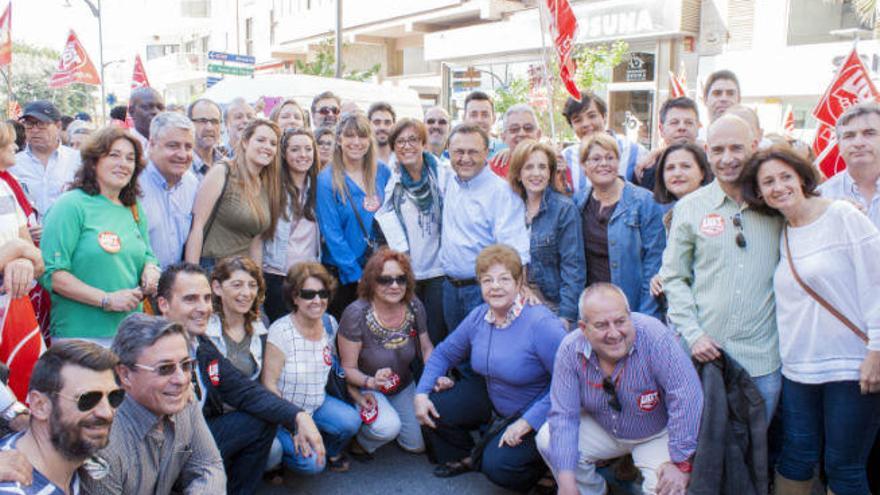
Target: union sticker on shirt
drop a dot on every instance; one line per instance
(214, 372)
(328, 359)
(648, 401)
(712, 225)
(371, 203)
(109, 241)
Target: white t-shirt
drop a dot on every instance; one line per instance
(838, 257)
(306, 366)
(11, 215)
(424, 240)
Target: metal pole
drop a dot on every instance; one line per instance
(101, 61)
(338, 39)
(546, 64)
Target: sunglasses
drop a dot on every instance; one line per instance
(309, 294)
(740, 236)
(436, 121)
(387, 281)
(328, 110)
(87, 401)
(167, 369)
(608, 388)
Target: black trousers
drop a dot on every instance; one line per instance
(345, 295)
(244, 442)
(274, 304)
(430, 292)
(467, 407)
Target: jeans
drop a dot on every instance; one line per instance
(770, 386)
(466, 407)
(396, 419)
(337, 421)
(458, 302)
(838, 414)
(430, 292)
(244, 442)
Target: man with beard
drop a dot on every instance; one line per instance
(206, 115)
(73, 398)
(144, 104)
(437, 124)
(237, 115)
(160, 442)
(242, 414)
(520, 123)
(325, 109)
(382, 118)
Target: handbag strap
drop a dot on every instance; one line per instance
(216, 207)
(357, 216)
(819, 299)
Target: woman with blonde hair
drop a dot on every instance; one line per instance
(239, 202)
(350, 191)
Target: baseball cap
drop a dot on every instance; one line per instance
(41, 110)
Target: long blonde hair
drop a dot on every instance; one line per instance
(359, 124)
(269, 178)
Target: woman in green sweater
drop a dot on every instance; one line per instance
(99, 264)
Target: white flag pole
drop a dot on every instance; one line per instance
(546, 65)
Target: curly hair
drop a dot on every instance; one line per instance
(373, 269)
(98, 146)
(297, 276)
(223, 271)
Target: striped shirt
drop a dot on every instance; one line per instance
(40, 485)
(716, 288)
(657, 387)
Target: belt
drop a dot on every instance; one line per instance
(461, 282)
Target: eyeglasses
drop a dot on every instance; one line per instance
(528, 129)
(411, 141)
(387, 281)
(203, 121)
(309, 294)
(39, 124)
(614, 400)
(167, 369)
(740, 236)
(596, 160)
(87, 401)
(328, 110)
(436, 121)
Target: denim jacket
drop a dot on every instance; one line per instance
(636, 239)
(558, 267)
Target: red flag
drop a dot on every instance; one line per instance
(139, 77)
(13, 110)
(74, 66)
(21, 343)
(6, 36)
(788, 121)
(676, 88)
(563, 24)
(850, 86)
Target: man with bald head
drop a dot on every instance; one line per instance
(144, 104)
(520, 123)
(437, 123)
(237, 115)
(719, 262)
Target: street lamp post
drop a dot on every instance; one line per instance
(96, 11)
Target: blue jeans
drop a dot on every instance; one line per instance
(838, 413)
(337, 421)
(770, 386)
(458, 302)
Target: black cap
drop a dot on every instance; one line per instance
(42, 110)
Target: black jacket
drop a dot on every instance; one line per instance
(731, 455)
(224, 383)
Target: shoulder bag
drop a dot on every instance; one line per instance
(371, 244)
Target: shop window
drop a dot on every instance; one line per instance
(630, 112)
(810, 21)
(636, 67)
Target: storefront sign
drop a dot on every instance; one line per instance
(613, 20)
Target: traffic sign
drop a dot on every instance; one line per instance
(231, 70)
(232, 57)
(212, 80)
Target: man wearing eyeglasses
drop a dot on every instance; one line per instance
(45, 166)
(719, 262)
(245, 434)
(325, 110)
(206, 115)
(437, 123)
(520, 123)
(73, 398)
(160, 440)
(621, 385)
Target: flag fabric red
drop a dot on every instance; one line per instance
(563, 25)
(850, 86)
(6, 36)
(21, 343)
(13, 110)
(139, 77)
(676, 88)
(788, 121)
(74, 66)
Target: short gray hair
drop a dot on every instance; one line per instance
(169, 120)
(860, 110)
(519, 108)
(238, 102)
(139, 331)
(207, 101)
(593, 290)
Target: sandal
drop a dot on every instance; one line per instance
(359, 453)
(452, 468)
(338, 465)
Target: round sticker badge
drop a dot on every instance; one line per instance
(649, 400)
(371, 203)
(712, 225)
(328, 358)
(109, 242)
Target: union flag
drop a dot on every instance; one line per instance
(139, 76)
(21, 342)
(74, 66)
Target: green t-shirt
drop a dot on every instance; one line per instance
(99, 243)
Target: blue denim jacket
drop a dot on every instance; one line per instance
(558, 267)
(636, 239)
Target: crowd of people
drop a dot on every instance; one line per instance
(295, 290)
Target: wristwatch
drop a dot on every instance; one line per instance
(13, 411)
